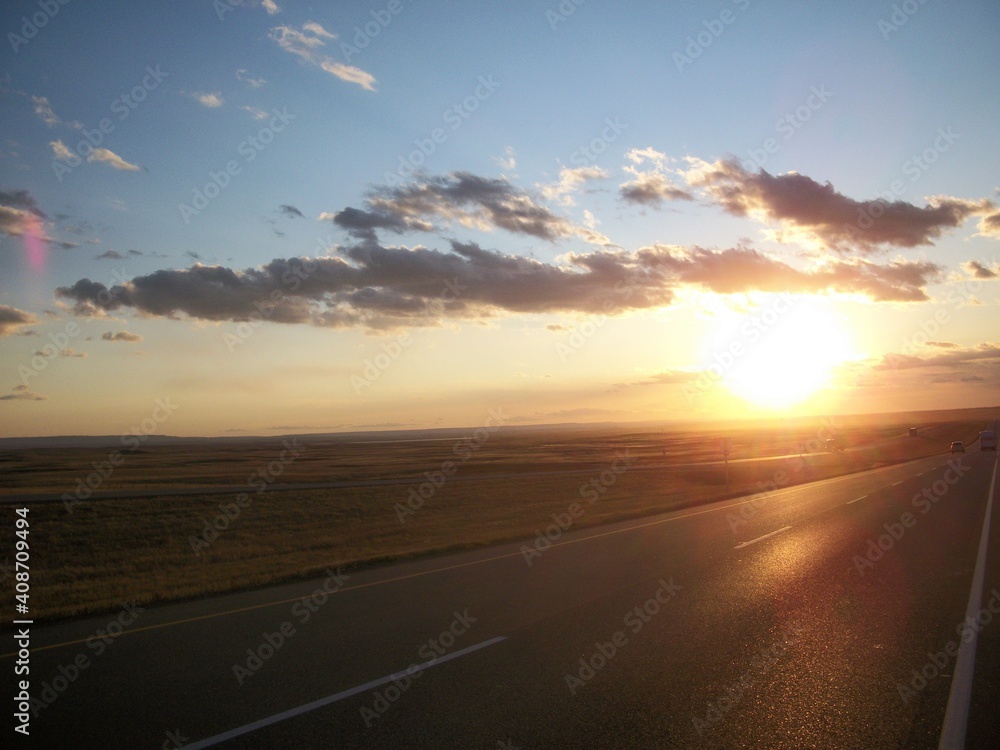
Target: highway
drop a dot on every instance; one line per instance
(828, 615)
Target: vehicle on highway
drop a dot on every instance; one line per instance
(958, 447)
(987, 440)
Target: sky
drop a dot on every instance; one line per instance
(269, 217)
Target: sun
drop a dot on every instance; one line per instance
(787, 351)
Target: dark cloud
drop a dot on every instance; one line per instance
(22, 393)
(110, 255)
(979, 270)
(652, 189)
(68, 352)
(469, 199)
(19, 212)
(290, 211)
(126, 336)
(21, 199)
(369, 285)
(11, 318)
(363, 223)
(803, 205)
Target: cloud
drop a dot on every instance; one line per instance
(743, 269)
(957, 378)
(651, 186)
(257, 114)
(989, 225)
(271, 7)
(570, 180)
(125, 336)
(112, 159)
(110, 255)
(363, 223)
(808, 210)
(368, 285)
(20, 214)
(508, 161)
(12, 318)
(349, 73)
(652, 189)
(667, 377)
(244, 75)
(68, 352)
(434, 203)
(306, 44)
(44, 110)
(22, 393)
(477, 202)
(21, 200)
(61, 151)
(316, 30)
(953, 356)
(979, 270)
(290, 211)
(210, 100)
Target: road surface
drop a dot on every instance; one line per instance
(827, 615)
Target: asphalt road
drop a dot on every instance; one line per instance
(777, 623)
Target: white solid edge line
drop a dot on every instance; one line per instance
(856, 499)
(760, 538)
(956, 717)
(899, 482)
(261, 723)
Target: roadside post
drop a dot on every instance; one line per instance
(727, 447)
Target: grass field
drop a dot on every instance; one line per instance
(164, 548)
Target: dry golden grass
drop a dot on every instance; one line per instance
(108, 551)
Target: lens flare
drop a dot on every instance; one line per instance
(34, 242)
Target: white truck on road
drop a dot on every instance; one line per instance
(987, 440)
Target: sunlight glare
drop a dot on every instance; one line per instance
(789, 353)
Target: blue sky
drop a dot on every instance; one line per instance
(551, 115)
